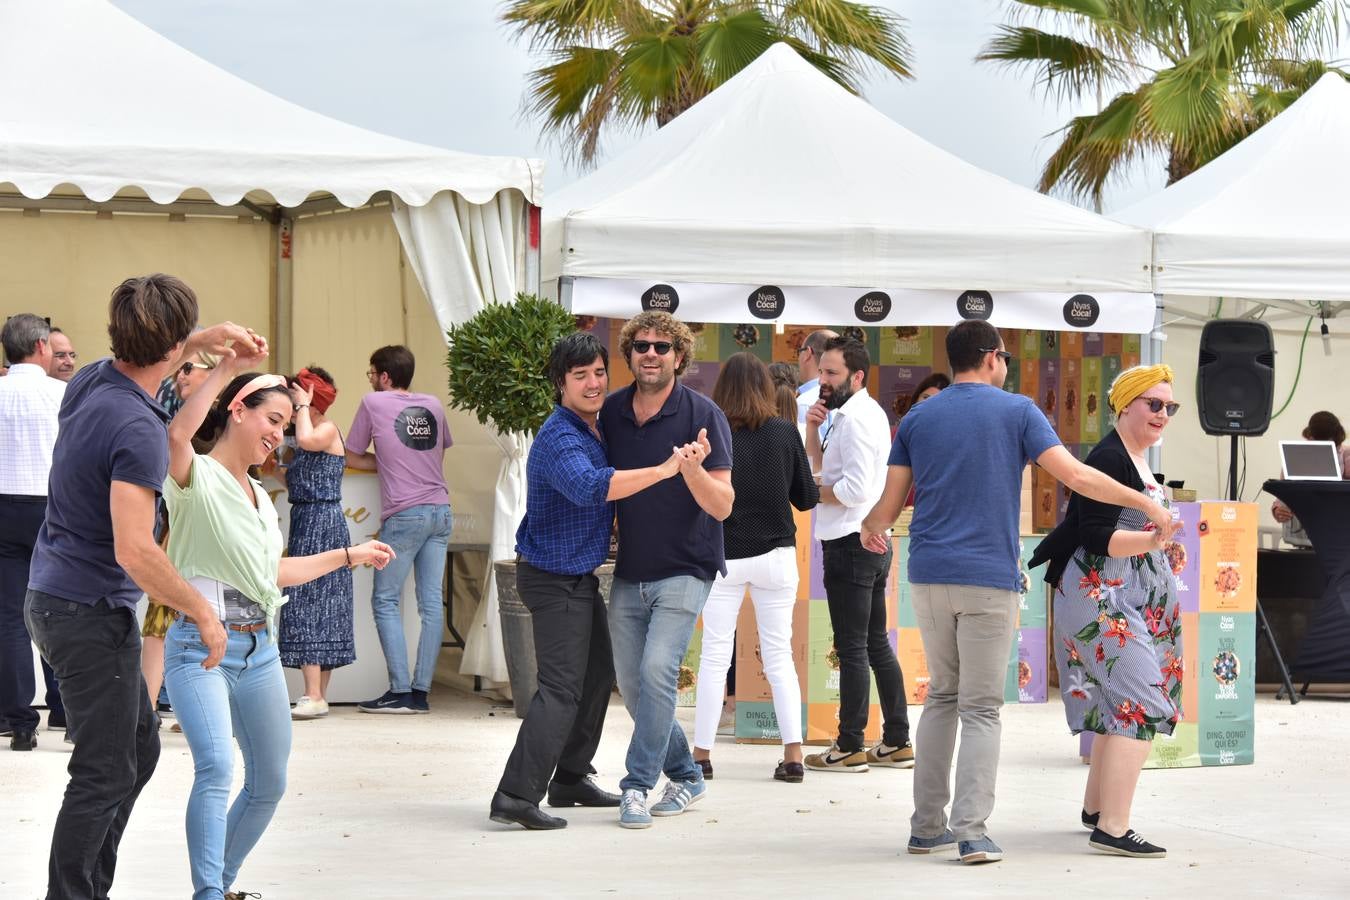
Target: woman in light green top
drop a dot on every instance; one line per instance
(224, 539)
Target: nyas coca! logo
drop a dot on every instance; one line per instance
(766, 302)
(416, 428)
(660, 298)
(874, 306)
(978, 305)
(1082, 311)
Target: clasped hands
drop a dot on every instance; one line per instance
(688, 459)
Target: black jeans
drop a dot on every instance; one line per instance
(562, 727)
(96, 653)
(20, 521)
(855, 587)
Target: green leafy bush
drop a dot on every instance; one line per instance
(498, 362)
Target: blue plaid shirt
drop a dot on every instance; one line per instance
(567, 518)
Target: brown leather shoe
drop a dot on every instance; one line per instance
(789, 772)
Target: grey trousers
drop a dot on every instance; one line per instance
(967, 636)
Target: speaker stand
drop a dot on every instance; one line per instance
(1262, 624)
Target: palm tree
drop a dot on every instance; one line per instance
(1186, 79)
(624, 63)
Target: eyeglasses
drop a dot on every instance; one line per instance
(1156, 406)
(187, 367)
(661, 347)
(803, 349)
(67, 354)
(1001, 354)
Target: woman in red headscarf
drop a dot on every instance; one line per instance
(316, 632)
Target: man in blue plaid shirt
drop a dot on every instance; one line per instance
(562, 539)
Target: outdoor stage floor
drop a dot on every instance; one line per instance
(396, 807)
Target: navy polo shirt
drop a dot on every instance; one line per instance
(111, 430)
(663, 532)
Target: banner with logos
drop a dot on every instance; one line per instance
(1114, 312)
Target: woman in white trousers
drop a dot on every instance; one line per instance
(771, 474)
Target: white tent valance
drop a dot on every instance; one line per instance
(1267, 219)
(780, 177)
(92, 98)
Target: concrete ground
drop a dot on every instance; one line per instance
(396, 807)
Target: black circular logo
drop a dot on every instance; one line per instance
(1082, 311)
(975, 305)
(766, 302)
(872, 306)
(660, 298)
(417, 428)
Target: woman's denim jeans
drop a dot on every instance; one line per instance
(244, 695)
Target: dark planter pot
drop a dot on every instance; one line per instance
(518, 631)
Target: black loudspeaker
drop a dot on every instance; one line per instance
(1235, 383)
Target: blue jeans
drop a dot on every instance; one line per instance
(650, 624)
(420, 536)
(246, 695)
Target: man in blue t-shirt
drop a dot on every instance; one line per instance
(964, 451)
(96, 554)
(563, 538)
(670, 550)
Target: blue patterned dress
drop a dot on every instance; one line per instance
(1118, 639)
(316, 625)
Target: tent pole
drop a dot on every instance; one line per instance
(1151, 352)
(532, 248)
(282, 309)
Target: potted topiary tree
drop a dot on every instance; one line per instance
(498, 362)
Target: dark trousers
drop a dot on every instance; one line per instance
(20, 521)
(96, 653)
(855, 587)
(562, 727)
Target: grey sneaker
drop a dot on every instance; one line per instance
(633, 810)
(679, 796)
(980, 850)
(944, 841)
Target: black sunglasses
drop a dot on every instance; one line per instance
(661, 347)
(1156, 406)
(1002, 354)
(187, 367)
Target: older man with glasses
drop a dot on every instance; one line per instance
(64, 357)
(670, 551)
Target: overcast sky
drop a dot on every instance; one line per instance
(444, 72)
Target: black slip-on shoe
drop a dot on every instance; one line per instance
(509, 810)
(584, 793)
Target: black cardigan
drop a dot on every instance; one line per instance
(1088, 523)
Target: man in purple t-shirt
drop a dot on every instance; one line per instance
(410, 437)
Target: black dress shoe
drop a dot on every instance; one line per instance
(23, 739)
(509, 810)
(584, 793)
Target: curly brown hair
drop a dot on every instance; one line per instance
(681, 338)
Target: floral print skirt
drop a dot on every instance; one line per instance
(1118, 645)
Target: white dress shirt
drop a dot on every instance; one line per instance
(29, 403)
(807, 395)
(857, 445)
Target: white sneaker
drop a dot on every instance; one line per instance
(309, 708)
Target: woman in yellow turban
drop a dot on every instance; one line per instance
(1117, 615)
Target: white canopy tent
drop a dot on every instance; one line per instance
(99, 114)
(782, 196)
(1267, 220)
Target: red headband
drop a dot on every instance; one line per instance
(322, 393)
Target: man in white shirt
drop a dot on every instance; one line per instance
(64, 358)
(850, 454)
(29, 403)
(808, 370)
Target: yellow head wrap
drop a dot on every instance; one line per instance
(1131, 384)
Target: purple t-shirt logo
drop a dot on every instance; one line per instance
(416, 428)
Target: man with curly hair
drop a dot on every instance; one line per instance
(670, 550)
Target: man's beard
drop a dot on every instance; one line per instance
(838, 396)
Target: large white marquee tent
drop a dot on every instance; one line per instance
(780, 178)
(121, 153)
(1267, 220)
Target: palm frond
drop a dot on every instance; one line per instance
(862, 35)
(729, 43)
(1065, 68)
